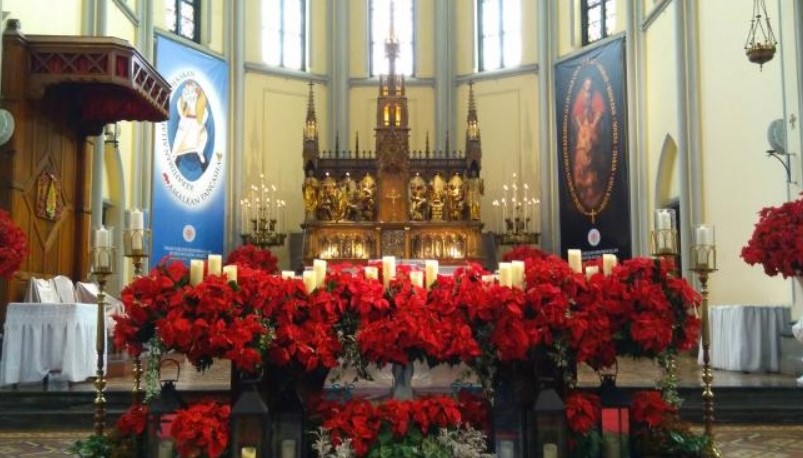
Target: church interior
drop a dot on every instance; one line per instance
(538, 228)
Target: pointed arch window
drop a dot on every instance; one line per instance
(498, 34)
(284, 33)
(598, 19)
(403, 26)
(183, 17)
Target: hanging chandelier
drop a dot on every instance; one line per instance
(761, 42)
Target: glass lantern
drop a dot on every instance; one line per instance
(548, 429)
(287, 424)
(615, 419)
(507, 419)
(161, 412)
(250, 425)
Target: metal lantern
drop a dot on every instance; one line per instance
(161, 412)
(548, 429)
(507, 419)
(615, 419)
(250, 425)
(288, 427)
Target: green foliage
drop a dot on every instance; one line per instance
(95, 446)
(677, 441)
(588, 445)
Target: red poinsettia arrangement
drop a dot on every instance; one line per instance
(582, 411)
(650, 310)
(13, 246)
(522, 252)
(777, 240)
(649, 408)
(369, 425)
(201, 428)
(253, 257)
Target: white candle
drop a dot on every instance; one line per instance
(663, 220)
(215, 262)
(488, 279)
(136, 220)
(417, 278)
(230, 272)
(310, 280)
(576, 260)
(550, 451)
(608, 263)
(319, 267)
(591, 271)
(505, 274)
(288, 274)
(705, 235)
(165, 449)
(248, 452)
(506, 449)
(371, 272)
(196, 271)
(431, 271)
(388, 269)
(518, 274)
(288, 448)
(102, 238)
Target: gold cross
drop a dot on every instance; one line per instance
(593, 215)
(393, 195)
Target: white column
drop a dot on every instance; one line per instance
(547, 17)
(636, 58)
(236, 56)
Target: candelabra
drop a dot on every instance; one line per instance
(136, 244)
(261, 214)
(101, 255)
(517, 214)
(704, 262)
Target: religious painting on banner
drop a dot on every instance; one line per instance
(592, 151)
(190, 154)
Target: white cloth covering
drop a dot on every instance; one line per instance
(747, 337)
(40, 338)
(65, 289)
(41, 290)
(88, 293)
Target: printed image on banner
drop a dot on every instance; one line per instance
(592, 152)
(189, 166)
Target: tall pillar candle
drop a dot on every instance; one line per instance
(136, 223)
(591, 271)
(431, 270)
(215, 264)
(288, 274)
(310, 280)
(575, 258)
(505, 274)
(196, 271)
(230, 271)
(518, 273)
(372, 272)
(103, 246)
(319, 267)
(388, 269)
(417, 278)
(608, 263)
(550, 451)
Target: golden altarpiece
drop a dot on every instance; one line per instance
(392, 201)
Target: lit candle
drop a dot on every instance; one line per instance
(136, 219)
(288, 274)
(215, 262)
(550, 451)
(505, 274)
(165, 449)
(372, 272)
(230, 272)
(310, 280)
(102, 238)
(576, 260)
(288, 448)
(248, 452)
(319, 267)
(591, 271)
(705, 235)
(196, 271)
(417, 278)
(608, 263)
(388, 269)
(431, 271)
(663, 220)
(518, 274)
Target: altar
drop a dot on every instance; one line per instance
(392, 201)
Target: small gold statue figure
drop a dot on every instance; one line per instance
(475, 188)
(418, 198)
(437, 197)
(310, 189)
(367, 198)
(455, 198)
(351, 194)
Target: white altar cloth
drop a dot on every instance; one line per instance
(40, 338)
(747, 337)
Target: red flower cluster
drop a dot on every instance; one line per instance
(777, 240)
(201, 427)
(649, 408)
(13, 246)
(582, 411)
(132, 421)
(253, 257)
(522, 252)
(364, 423)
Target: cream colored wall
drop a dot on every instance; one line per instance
(275, 110)
(569, 34)
(40, 17)
(738, 178)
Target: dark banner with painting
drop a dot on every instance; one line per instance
(592, 151)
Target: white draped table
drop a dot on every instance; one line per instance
(747, 337)
(40, 338)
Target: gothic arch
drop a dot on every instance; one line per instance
(667, 184)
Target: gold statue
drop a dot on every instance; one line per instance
(368, 198)
(437, 196)
(310, 188)
(418, 198)
(455, 198)
(475, 188)
(351, 195)
(331, 201)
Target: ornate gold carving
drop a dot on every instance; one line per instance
(456, 198)
(418, 199)
(393, 243)
(475, 188)
(310, 188)
(49, 201)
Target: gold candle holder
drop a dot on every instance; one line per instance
(703, 263)
(136, 245)
(102, 257)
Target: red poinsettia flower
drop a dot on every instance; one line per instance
(201, 427)
(254, 257)
(13, 246)
(582, 411)
(649, 407)
(132, 422)
(777, 240)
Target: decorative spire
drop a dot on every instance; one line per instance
(427, 144)
(472, 125)
(357, 144)
(392, 43)
(311, 129)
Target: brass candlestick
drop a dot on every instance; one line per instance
(102, 257)
(703, 263)
(136, 243)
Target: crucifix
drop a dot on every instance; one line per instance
(393, 195)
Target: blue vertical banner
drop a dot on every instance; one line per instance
(190, 154)
(594, 194)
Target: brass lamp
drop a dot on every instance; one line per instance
(250, 425)
(761, 43)
(549, 431)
